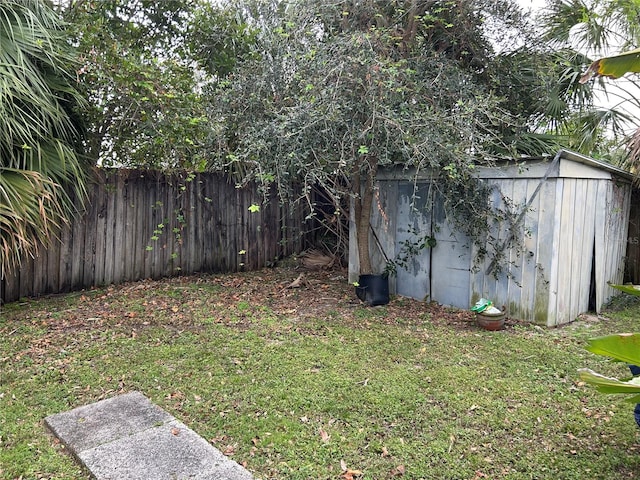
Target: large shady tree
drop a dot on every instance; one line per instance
(41, 170)
(335, 90)
(138, 75)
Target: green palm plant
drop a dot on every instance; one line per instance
(595, 28)
(621, 347)
(42, 174)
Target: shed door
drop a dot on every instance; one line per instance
(440, 273)
(413, 220)
(450, 261)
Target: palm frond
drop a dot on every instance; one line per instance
(41, 170)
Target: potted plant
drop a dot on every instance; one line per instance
(488, 316)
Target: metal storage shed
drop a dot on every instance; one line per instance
(574, 238)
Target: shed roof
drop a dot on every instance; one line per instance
(577, 157)
(526, 167)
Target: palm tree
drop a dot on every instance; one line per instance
(597, 28)
(42, 174)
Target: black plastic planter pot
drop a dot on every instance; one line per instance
(373, 289)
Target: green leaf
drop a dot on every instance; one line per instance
(630, 289)
(614, 66)
(623, 346)
(254, 208)
(610, 385)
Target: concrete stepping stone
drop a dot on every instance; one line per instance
(129, 438)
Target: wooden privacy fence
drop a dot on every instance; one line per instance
(144, 224)
(632, 267)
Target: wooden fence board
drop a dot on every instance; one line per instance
(88, 274)
(140, 244)
(110, 220)
(66, 259)
(100, 239)
(25, 276)
(108, 242)
(77, 252)
(129, 254)
(119, 232)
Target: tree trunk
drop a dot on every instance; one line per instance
(363, 203)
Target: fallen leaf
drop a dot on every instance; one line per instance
(351, 474)
(398, 471)
(175, 431)
(324, 436)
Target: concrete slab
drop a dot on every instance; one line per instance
(128, 437)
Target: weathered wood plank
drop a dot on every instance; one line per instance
(65, 267)
(517, 257)
(200, 231)
(397, 213)
(89, 254)
(633, 240)
(79, 226)
(587, 247)
(121, 200)
(109, 242)
(39, 272)
(101, 232)
(171, 236)
(525, 309)
(110, 227)
(148, 223)
(618, 231)
(566, 251)
(27, 276)
(548, 244)
(209, 207)
(503, 282)
(51, 266)
(141, 242)
(129, 240)
(158, 229)
(601, 240)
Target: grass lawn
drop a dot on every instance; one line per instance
(308, 384)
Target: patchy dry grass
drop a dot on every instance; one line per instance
(301, 383)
